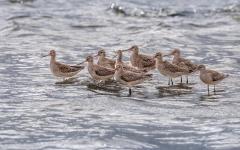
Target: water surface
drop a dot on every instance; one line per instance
(36, 113)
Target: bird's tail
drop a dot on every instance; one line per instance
(226, 75)
(78, 67)
(144, 70)
(148, 76)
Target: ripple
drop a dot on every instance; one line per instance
(38, 111)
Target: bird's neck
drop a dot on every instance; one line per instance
(176, 56)
(90, 63)
(202, 71)
(53, 59)
(159, 60)
(119, 71)
(101, 57)
(135, 53)
(119, 58)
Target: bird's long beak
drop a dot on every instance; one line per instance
(95, 56)
(126, 50)
(45, 55)
(164, 55)
(82, 62)
(115, 56)
(169, 54)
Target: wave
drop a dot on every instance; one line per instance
(19, 17)
(170, 12)
(137, 12)
(87, 26)
(230, 8)
(20, 1)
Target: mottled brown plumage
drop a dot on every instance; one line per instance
(98, 72)
(62, 70)
(126, 66)
(104, 61)
(141, 61)
(168, 69)
(129, 78)
(177, 59)
(182, 62)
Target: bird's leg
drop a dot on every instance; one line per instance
(187, 80)
(169, 81)
(130, 91)
(214, 90)
(172, 81)
(181, 79)
(101, 82)
(208, 89)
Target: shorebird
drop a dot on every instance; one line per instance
(141, 61)
(168, 69)
(103, 61)
(62, 70)
(210, 77)
(182, 62)
(97, 72)
(126, 66)
(129, 78)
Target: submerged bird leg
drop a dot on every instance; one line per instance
(181, 79)
(208, 88)
(214, 90)
(187, 79)
(169, 81)
(172, 81)
(101, 83)
(130, 91)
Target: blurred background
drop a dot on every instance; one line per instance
(35, 113)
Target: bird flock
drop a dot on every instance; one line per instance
(137, 71)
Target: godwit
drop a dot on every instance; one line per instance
(168, 69)
(182, 62)
(210, 77)
(126, 66)
(103, 61)
(62, 70)
(141, 61)
(129, 78)
(98, 73)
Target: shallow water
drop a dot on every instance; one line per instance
(36, 113)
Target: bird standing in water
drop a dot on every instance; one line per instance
(168, 69)
(125, 66)
(129, 78)
(182, 62)
(141, 61)
(210, 77)
(97, 72)
(62, 70)
(103, 61)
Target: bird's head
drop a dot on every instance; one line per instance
(201, 67)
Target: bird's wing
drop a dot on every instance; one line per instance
(216, 75)
(102, 71)
(133, 69)
(66, 68)
(111, 62)
(77, 66)
(148, 61)
(189, 64)
(173, 67)
(131, 76)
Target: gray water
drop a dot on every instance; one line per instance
(37, 114)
